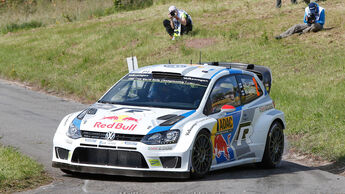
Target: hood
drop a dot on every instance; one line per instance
(129, 120)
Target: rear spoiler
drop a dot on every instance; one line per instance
(264, 73)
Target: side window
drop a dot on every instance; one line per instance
(251, 88)
(225, 91)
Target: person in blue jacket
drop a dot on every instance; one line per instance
(314, 19)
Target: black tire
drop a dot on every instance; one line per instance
(202, 153)
(274, 146)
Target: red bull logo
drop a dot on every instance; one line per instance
(111, 118)
(130, 119)
(220, 146)
(121, 118)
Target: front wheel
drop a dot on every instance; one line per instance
(274, 146)
(201, 155)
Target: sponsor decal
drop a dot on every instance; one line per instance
(225, 124)
(110, 143)
(121, 126)
(155, 162)
(160, 148)
(223, 133)
(183, 80)
(266, 107)
(222, 149)
(199, 121)
(90, 140)
(122, 122)
(121, 118)
(131, 143)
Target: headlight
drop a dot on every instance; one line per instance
(164, 137)
(73, 132)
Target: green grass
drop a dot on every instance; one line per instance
(84, 58)
(18, 172)
(51, 12)
(12, 27)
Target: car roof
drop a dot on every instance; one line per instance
(190, 70)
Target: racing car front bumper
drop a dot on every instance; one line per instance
(124, 158)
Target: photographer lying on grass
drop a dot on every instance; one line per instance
(179, 22)
(314, 19)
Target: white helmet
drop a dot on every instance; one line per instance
(172, 8)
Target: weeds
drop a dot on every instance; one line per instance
(13, 27)
(18, 172)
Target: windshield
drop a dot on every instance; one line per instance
(164, 92)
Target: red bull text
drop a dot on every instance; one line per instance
(115, 125)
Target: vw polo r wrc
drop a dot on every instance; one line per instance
(175, 120)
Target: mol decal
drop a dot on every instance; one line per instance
(122, 122)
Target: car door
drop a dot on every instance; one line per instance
(225, 94)
(250, 93)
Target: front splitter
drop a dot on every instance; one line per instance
(120, 172)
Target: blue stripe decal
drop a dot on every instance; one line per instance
(235, 71)
(77, 123)
(166, 128)
(218, 72)
(187, 114)
(160, 129)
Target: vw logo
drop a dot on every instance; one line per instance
(110, 135)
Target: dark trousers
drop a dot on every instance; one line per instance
(279, 2)
(184, 29)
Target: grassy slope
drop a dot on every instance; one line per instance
(18, 172)
(85, 58)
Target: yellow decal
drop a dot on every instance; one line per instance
(214, 131)
(155, 162)
(69, 155)
(225, 123)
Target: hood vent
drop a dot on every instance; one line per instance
(172, 121)
(166, 117)
(92, 111)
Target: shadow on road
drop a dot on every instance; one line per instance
(240, 172)
(334, 168)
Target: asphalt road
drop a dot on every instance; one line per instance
(28, 121)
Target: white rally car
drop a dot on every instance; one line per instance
(175, 120)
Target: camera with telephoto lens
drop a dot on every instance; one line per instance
(172, 13)
(311, 19)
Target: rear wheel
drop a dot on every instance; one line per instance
(201, 155)
(274, 146)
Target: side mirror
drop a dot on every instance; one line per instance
(228, 108)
